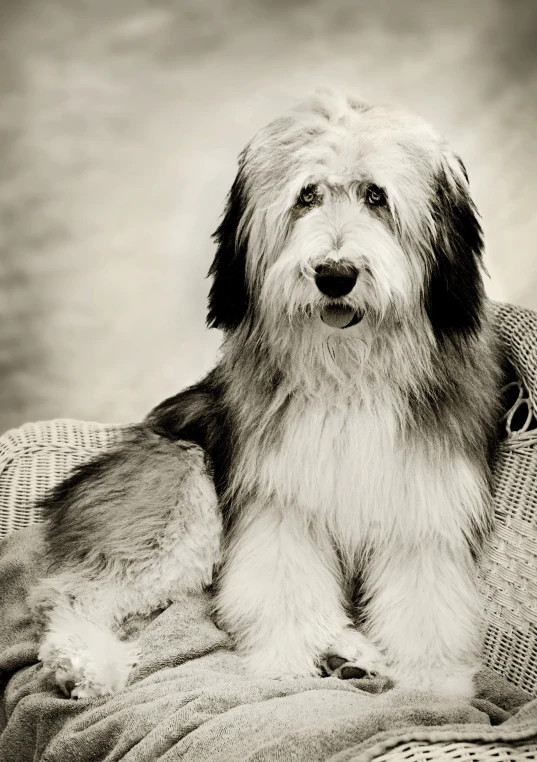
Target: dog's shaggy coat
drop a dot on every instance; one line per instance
(349, 427)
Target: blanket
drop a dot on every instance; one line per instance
(190, 698)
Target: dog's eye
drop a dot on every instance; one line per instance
(308, 195)
(375, 196)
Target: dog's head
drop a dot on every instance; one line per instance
(343, 218)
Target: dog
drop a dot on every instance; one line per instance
(333, 470)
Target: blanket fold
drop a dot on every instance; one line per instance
(190, 699)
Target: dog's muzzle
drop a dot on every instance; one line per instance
(337, 279)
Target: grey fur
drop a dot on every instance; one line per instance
(127, 533)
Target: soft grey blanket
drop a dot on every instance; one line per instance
(189, 699)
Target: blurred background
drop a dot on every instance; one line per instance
(120, 123)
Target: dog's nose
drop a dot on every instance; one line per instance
(335, 278)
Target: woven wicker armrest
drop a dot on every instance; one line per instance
(36, 456)
(509, 569)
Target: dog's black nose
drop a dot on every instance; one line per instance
(336, 278)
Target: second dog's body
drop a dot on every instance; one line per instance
(349, 425)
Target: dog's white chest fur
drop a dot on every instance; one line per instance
(347, 467)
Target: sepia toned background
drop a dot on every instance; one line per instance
(120, 122)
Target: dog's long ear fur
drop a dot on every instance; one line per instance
(454, 292)
(228, 297)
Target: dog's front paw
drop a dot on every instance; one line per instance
(352, 655)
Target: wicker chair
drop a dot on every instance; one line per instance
(38, 455)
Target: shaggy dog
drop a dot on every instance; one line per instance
(346, 433)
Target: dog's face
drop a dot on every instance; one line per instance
(344, 218)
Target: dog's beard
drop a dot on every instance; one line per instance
(308, 350)
(324, 339)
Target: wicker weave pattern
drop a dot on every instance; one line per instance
(509, 572)
(36, 456)
(419, 751)
(517, 328)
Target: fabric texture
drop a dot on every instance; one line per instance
(189, 698)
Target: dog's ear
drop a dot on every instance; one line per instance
(228, 297)
(454, 292)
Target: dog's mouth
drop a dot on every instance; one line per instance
(341, 315)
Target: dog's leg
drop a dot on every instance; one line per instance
(280, 595)
(80, 647)
(425, 611)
